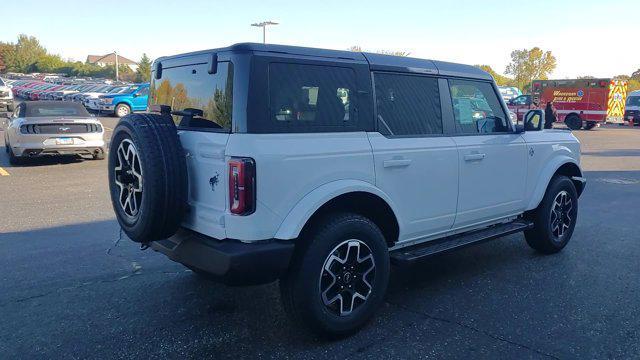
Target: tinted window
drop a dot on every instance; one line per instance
(40, 109)
(476, 108)
(521, 100)
(408, 105)
(306, 96)
(143, 92)
(204, 99)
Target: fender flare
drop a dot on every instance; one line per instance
(123, 101)
(296, 219)
(543, 180)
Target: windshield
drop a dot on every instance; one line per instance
(66, 109)
(633, 101)
(2, 82)
(118, 90)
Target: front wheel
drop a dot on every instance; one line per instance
(555, 218)
(573, 122)
(338, 277)
(122, 110)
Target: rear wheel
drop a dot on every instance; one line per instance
(122, 110)
(555, 218)
(338, 277)
(13, 159)
(590, 125)
(573, 122)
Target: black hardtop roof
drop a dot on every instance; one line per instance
(375, 61)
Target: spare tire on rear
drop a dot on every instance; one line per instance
(147, 177)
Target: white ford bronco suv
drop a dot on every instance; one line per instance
(320, 168)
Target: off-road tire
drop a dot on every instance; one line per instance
(300, 287)
(116, 111)
(573, 122)
(163, 172)
(542, 237)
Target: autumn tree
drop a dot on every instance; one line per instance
(143, 73)
(357, 48)
(501, 80)
(530, 64)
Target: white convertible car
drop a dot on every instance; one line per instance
(42, 128)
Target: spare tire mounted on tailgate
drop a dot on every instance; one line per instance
(147, 177)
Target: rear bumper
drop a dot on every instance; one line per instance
(228, 261)
(36, 146)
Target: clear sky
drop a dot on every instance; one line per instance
(588, 37)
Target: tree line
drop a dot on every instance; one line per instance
(27, 55)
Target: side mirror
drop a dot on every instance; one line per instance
(510, 102)
(534, 120)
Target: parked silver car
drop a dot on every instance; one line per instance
(43, 128)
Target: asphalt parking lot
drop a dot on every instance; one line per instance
(71, 288)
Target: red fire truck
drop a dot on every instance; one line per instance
(579, 103)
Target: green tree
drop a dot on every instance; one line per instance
(501, 80)
(49, 64)
(143, 73)
(530, 64)
(26, 53)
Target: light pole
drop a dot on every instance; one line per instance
(264, 25)
(116, 54)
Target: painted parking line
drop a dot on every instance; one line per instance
(3, 172)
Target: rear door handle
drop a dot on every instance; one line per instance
(474, 157)
(396, 163)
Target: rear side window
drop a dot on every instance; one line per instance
(408, 105)
(476, 108)
(308, 97)
(203, 101)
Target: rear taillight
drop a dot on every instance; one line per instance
(242, 186)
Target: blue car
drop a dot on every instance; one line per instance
(122, 104)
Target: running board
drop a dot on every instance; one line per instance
(409, 255)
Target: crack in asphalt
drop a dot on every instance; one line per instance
(135, 273)
(474, 329)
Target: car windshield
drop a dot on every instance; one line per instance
(118, 90)
(633, 101)
(62, 109)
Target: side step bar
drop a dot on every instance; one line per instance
(411, 254)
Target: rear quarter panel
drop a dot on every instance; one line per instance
(291, 166)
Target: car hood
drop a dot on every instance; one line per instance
(111, 96)
(94, 94)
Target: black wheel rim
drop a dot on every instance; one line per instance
(128, 178)
(347, 276)
(561, 215)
